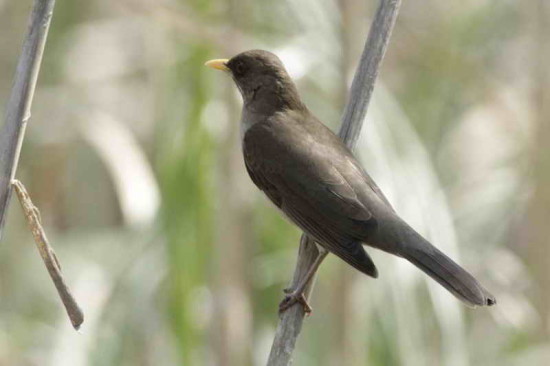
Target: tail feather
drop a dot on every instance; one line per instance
(445, 271)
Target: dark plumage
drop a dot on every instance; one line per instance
(308, 173)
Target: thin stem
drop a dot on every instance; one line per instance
(367, 71)
(18, 110)
(290, 322)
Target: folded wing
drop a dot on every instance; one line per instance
(308, 188)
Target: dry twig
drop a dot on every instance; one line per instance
(48, 255)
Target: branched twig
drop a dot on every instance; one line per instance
(48, 255)
(19, 104)
(290, 323)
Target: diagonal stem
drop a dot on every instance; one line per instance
(18, 110)
(295, 293)
(290, 322)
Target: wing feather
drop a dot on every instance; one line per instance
(317, 198)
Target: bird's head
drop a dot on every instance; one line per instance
(262, 80)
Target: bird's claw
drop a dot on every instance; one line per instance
(292, 298)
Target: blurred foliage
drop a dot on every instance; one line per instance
(132, 155)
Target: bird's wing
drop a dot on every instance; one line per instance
(329, 137)
(372, 184)
(311, 191)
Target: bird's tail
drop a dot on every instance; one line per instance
(444, 270)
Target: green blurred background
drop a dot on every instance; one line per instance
(132, 155)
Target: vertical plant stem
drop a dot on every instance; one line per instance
(367, 71)
(290, 322)
(19, 104)
(18, 112)
(344, 345)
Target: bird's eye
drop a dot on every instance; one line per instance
(239, 68)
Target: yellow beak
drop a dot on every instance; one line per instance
(218, 64)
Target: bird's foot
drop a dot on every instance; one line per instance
(292, 298)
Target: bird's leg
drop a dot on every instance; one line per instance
(296, 295)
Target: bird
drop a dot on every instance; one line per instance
(315, 180)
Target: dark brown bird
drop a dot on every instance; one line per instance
(315, 180)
